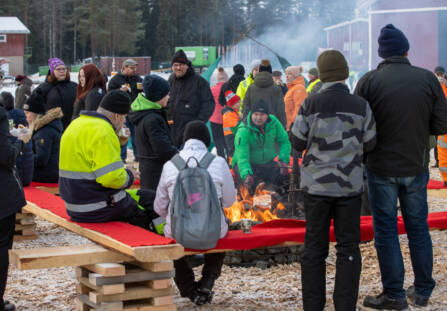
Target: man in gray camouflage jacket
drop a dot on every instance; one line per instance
(336, 129)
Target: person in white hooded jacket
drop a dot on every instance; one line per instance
(196, 142)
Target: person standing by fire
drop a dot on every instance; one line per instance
(336, 129)
(255, 149)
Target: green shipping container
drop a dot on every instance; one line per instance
(200, 56)
(43, 70)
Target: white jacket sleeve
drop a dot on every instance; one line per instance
(162, 200)
(228, 188)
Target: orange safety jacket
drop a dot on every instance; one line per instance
(230, 120)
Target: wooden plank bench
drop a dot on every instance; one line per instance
(25, 228)
(106, 279)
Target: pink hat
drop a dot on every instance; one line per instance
(54, 62)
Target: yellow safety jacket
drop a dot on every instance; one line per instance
(242, 89)
(92, 177)
(311, 85)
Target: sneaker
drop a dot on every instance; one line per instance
(417, 300)
(383, 302)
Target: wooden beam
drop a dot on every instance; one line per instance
(53, 257)
(107, 269)
(233, 250)
(165, 265)
(132, 293)
(105, 306)
(144, 253)
(132, 276)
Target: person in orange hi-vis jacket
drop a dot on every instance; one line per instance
(295, 95)
(230, 120)
(442, 140)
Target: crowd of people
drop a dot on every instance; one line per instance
(76, 135)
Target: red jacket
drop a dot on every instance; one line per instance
(217, 114)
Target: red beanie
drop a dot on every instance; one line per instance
(231, 98)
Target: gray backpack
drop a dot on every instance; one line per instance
(195, 207)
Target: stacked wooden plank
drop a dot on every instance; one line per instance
(130, 286)
(25, 228)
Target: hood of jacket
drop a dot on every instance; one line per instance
(141, 107)
(297, 81)
(48, 117)
(394, 60)
(263, 79)
(27, 82)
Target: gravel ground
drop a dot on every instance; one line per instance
(275, 288)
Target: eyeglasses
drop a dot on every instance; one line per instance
(61, 69)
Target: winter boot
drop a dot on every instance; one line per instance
(205, 289)
(383, 302)
(7, 306)
(418, 300)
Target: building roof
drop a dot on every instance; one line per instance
(357, 20)
(11, 24)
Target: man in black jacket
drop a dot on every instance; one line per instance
(128, 81)
(13, 198)
(190, 97)
(408, 106)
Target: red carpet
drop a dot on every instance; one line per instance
(435, 184)
(266, 234)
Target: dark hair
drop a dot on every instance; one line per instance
(7, 100)
(93, 78)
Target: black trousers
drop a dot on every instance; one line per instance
(7, 226)
(184, 275)
(345, 211)
(219, 138)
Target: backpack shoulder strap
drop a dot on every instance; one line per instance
(206, 160)
(178, 162)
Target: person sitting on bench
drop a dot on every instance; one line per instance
(92, 176)
(257, 140)
(196, 141)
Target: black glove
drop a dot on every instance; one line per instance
(249, 182)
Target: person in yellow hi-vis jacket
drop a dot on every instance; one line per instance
(243, 85)
(92, 176)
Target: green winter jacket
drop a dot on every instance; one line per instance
(252, 146)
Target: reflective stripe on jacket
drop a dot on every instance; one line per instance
(91, 173)
(311, 85)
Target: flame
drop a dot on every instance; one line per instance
(256, 208)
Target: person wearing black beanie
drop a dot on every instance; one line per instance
(239, 69)
(197, 130)
(190, 96)
(408, 105)
(152, 132)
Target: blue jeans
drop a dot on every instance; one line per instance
(412, 193)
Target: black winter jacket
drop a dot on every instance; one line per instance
(46, 143)
(408, 105)
(190, 99)
(154, 144)
(25, 161)
(60, 94)
(230, 85)
(90, 102)
(11, 190)
(119, 79)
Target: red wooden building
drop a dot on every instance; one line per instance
(12, 44)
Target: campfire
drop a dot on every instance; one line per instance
(261, 207)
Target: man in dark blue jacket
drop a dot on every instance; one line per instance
(12, 197)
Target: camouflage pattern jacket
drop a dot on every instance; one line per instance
(336, 129)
